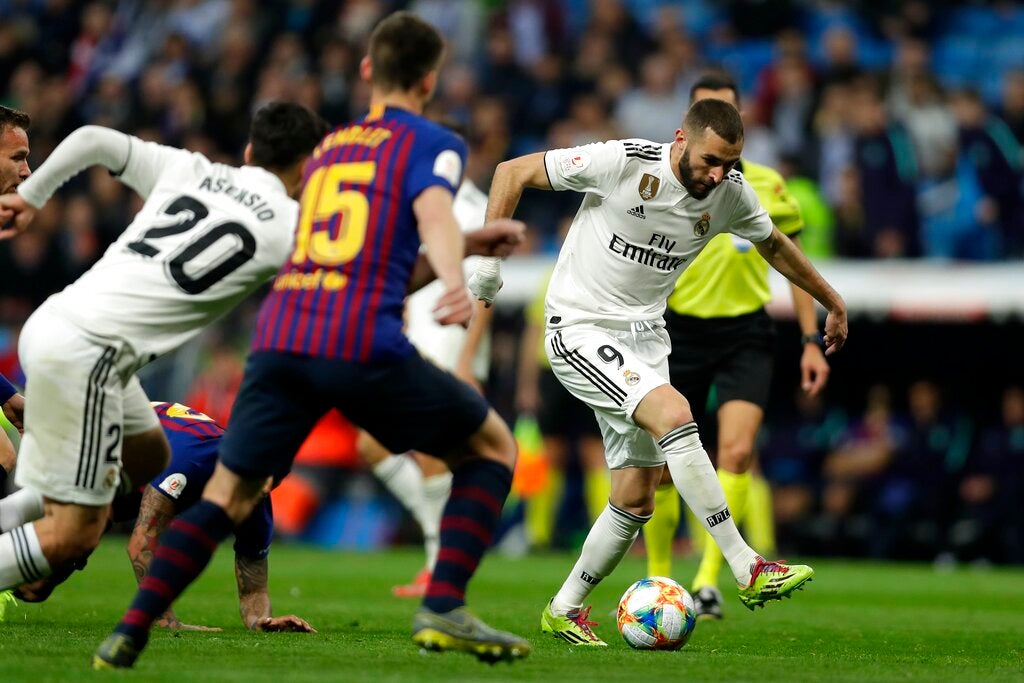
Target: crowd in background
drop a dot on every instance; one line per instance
(899, 129)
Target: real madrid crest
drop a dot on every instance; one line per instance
(701, 227)
(649, 185)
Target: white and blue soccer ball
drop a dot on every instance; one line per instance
(656, 613)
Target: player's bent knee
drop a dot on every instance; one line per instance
(735, 457)
(235, 494)
(494, 441)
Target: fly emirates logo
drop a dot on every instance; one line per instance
(655, 254)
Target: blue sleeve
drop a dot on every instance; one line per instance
(191, 466)
(6, 390)
(253, 536)
(441, 160)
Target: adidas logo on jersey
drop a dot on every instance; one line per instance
(637, 211)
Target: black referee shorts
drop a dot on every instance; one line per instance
(735, 355)
(406, 404)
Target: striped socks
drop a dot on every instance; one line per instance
(479, 489)
(21, 557)
(184, 551)
(608, 541)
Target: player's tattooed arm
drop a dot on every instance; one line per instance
(155, 514)
(254, 599)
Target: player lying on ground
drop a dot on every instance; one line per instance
(194, 439)
(648, 211)
(329, 336)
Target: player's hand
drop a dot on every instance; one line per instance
(485, 281)
(15, 215)
(813, 370)
(497, 238)
(14, 410)
(290, 623)
(835, 330)
(454, 308)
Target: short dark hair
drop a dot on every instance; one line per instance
(718, 115)
(715, 80)
(282, 133)
(13, 117)
(404, 49)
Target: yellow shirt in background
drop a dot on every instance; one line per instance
(729, 278)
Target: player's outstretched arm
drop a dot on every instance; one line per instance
(780, 252)
(510, 179)
(155, 514)
(85, 147)
(254, 599)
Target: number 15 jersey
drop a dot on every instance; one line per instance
(341, 293)
(206, 237)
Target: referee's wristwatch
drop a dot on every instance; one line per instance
(812, 338)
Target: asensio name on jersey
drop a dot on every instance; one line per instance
(207, 236)
(637, 229)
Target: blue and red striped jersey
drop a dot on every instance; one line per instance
(195, 439)
(341, 293)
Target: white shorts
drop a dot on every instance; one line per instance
(81, 399)
(611, 370)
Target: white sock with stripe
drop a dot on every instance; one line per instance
(436, 490)
(24, 505)
(697, 482)
(21, 557)
(607, 543)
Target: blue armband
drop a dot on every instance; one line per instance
(6, 390)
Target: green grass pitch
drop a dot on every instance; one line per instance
(856, 622)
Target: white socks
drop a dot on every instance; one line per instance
(436, 490)
(423, 498)
(21, 558)
(608, 541)
(24, 505)
(698, 484)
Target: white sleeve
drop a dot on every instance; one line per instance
(146, 162)
(749, 219)
(594, 168)
(85, 147)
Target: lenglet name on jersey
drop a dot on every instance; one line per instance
(250, 200)
(645, 255)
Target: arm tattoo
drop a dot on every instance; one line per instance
(155, 513)
(253, 598)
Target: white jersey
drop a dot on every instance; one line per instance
(636, 231)
(443, 343)
(207, 236)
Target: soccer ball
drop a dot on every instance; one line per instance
(656, 613)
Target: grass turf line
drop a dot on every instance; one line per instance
(857, 621)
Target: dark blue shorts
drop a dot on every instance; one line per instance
(406, 404)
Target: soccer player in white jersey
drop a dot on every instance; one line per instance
(649, 209)
(421, 483)
(206, 237)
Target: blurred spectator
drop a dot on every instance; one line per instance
(887, 170)
(992, 526)
(989, 148)
(817, 237)
(655, 109)
(911, 506)
(1012, 110)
